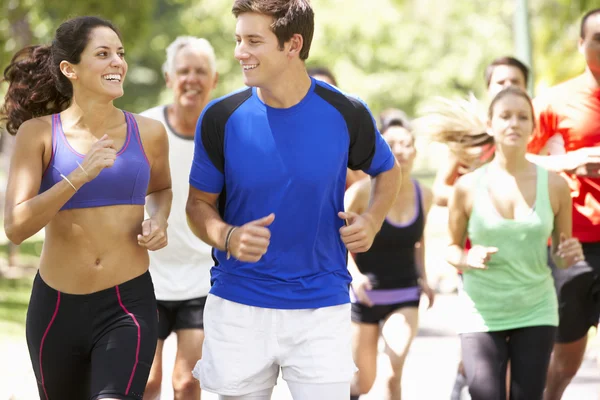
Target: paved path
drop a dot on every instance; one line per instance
(431, 364)
(429, 370)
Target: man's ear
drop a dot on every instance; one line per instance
(296, 43)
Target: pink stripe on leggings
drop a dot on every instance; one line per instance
(44, 339)
(139, 335)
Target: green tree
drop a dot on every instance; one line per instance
(26, 22)
(392, 53)
(555, 30)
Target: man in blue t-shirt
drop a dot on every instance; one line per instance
(266, 191)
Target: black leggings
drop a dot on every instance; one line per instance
(486, 354)
(93, 346)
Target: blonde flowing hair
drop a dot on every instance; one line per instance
(460, 124)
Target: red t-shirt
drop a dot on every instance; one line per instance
(572, 109)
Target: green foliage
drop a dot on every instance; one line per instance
(392, 53)
(555, 31)
(14, 298)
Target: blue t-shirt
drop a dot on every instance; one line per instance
(290, 162)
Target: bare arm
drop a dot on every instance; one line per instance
(356, 200)
(204, 219)
(458, 218)
(159, 195)
(583, 162)
(385, 188)
(555, 163)
(427, 196)
(420, 246)
(444, 181)
(563, 217)
(27, 212)
(156, 145)
(360, 229)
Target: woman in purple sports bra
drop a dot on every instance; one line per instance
(84, 170)
(388, 279)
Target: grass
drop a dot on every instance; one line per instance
(14, 299)
(15, 292)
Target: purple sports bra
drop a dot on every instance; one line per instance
(126, 182)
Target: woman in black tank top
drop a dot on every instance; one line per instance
(389, 278)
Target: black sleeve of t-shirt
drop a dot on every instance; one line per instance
(360, 124)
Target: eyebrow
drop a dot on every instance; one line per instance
(107, 48)
(251, 36)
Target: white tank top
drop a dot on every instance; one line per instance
(180, 271)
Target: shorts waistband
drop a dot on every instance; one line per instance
(390, 296)
(140, 282)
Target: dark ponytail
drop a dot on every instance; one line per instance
(32, 91)
(37, 87)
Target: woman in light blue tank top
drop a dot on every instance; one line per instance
(83, 170)
(508, 209)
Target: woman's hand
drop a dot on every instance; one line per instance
(154, 233)
(478, 256)
(361, 284)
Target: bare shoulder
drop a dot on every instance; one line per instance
(154, 137)
(36, 131)
(150, 128)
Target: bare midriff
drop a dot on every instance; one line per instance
(90, 249)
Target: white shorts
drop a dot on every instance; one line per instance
(244, 347)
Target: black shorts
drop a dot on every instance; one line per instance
(183, 314)
(92, 346)
(578, 290)
(374, 315)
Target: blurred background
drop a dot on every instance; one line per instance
(391, 53)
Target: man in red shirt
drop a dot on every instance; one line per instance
(568, 141)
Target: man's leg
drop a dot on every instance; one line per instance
(564, 364)
(166, 318)
(316, 351)
(313, 391)
(577, 289)
(239, 350)
(189, 351)
(189, 326)
(262, 395)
